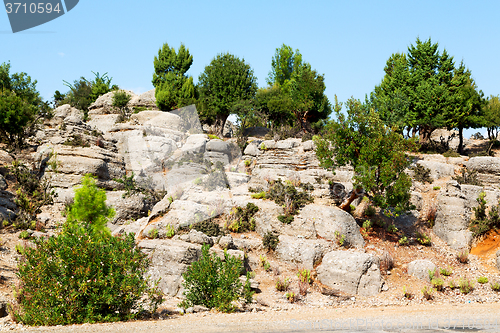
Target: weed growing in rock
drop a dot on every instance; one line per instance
(406, 293)
(264, 263)
(463, 257)
(482, 279)
(392, 229)
(340, 239)
(465, 286)
(423, 239)
(214, 282)
(282, 285)
(260, 195)
(303, 288)
(422, 174)
(170, 231)
(451, 153)
(436, 188)
(403, 241)
(437, 283)
(495, 286)
(24, 235)
(289, 197)
(446, 271)
(270, 241)
(427, 293)
(291, 297)
(304, 275)
(153, 233)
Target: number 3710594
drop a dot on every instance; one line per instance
(33, 8)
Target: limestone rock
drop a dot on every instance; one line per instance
(3, 183)
(127, 208)
(351, 272)
(146, 99)
(437, 169)
(498, 260)
(196, 237)
(226, 242)
(104, 103)
(170, 259)
(421, 268)
(301, 252)
(488, 169)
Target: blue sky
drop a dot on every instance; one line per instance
(347, 41)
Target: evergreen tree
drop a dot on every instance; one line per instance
(491, 119)
(174, 89)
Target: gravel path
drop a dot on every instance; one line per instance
(428, 318)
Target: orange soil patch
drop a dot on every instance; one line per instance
(488, 246)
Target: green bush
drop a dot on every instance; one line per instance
(120, 101)
(260, 195)
(285, 219)
(451, 153)
(270, 241)
(422, 174)
(423, 239)
(469, 178)
(482, 279)
(482, 223)
(243, 218)
(214, 282)
(208, 227)
(83, 276)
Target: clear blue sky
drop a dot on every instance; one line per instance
(347, 41)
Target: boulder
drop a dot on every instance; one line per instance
(7, 206)
(129, 207)
(195, 144)
(437, 169)
(420, 269)
(226, 242)
(331, 221)
(67, 113)
(3, 183)
(351, 272)
(169, 260)
(498, 260)
(252, 150)
(488, 169)
(302, 252)
(146, 99)
(196, 237)
(218, 146)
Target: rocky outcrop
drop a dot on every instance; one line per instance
(104, 104)
(488, 169)
(421, 268)
(144, 100)
(438, 169)
(454, 212)
(351, 272)
(127, 208)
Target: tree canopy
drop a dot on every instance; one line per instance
(20, 105)
(424, 90)
(491, 119)
(375, 151)
(225, 81)
(174, 89)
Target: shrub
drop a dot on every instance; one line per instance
(215, 179)
(291, 297)
(282, 285)
(451, 153)
(288, 196)
(467, 177)
(303, 287)
(427, 292)
(208, 227)
(436, 188)
(423, 239)
(84, 274)
(465, 286)
(406, 293)
(24, 235)
(482, 279)
(32, 192)
(403, 240)
(170, 231)
(242, 218)
(446, 271)
(495, 286)
(463, 256)
(214, 282)
(370, 211)
(304, 275)
(153, 233)
(433, 273)
(120, 101)
(270, 240)
(264, 263)
(431, 216)
(286, 219)
(213, 137)
(340, 239)
(260, 195)
(422, 174)
(367, 225)
(482, 223)
(392, 229)
(437, 283)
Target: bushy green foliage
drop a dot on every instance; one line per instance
(465, 286)
(437, 283)
(120, 101)
(375, 151)
(289, 197)
(451, 153)
(208, 227)
(423, 239)
(482, 222)
(270, 241)
(446, 271)
(491, 111)
(422, 174)
(82, 276)
(225, 81)
(243, 219)
(282, 285)
(89, 206)
(214, 282)
(174, 89)
(482, 279)
(20, 106)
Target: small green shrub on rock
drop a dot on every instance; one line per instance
(422, 174)
(208, 227)
(214, 282)
(270, 241)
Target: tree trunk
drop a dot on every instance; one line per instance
(220, 122)
(346, 205)
(461, 140)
